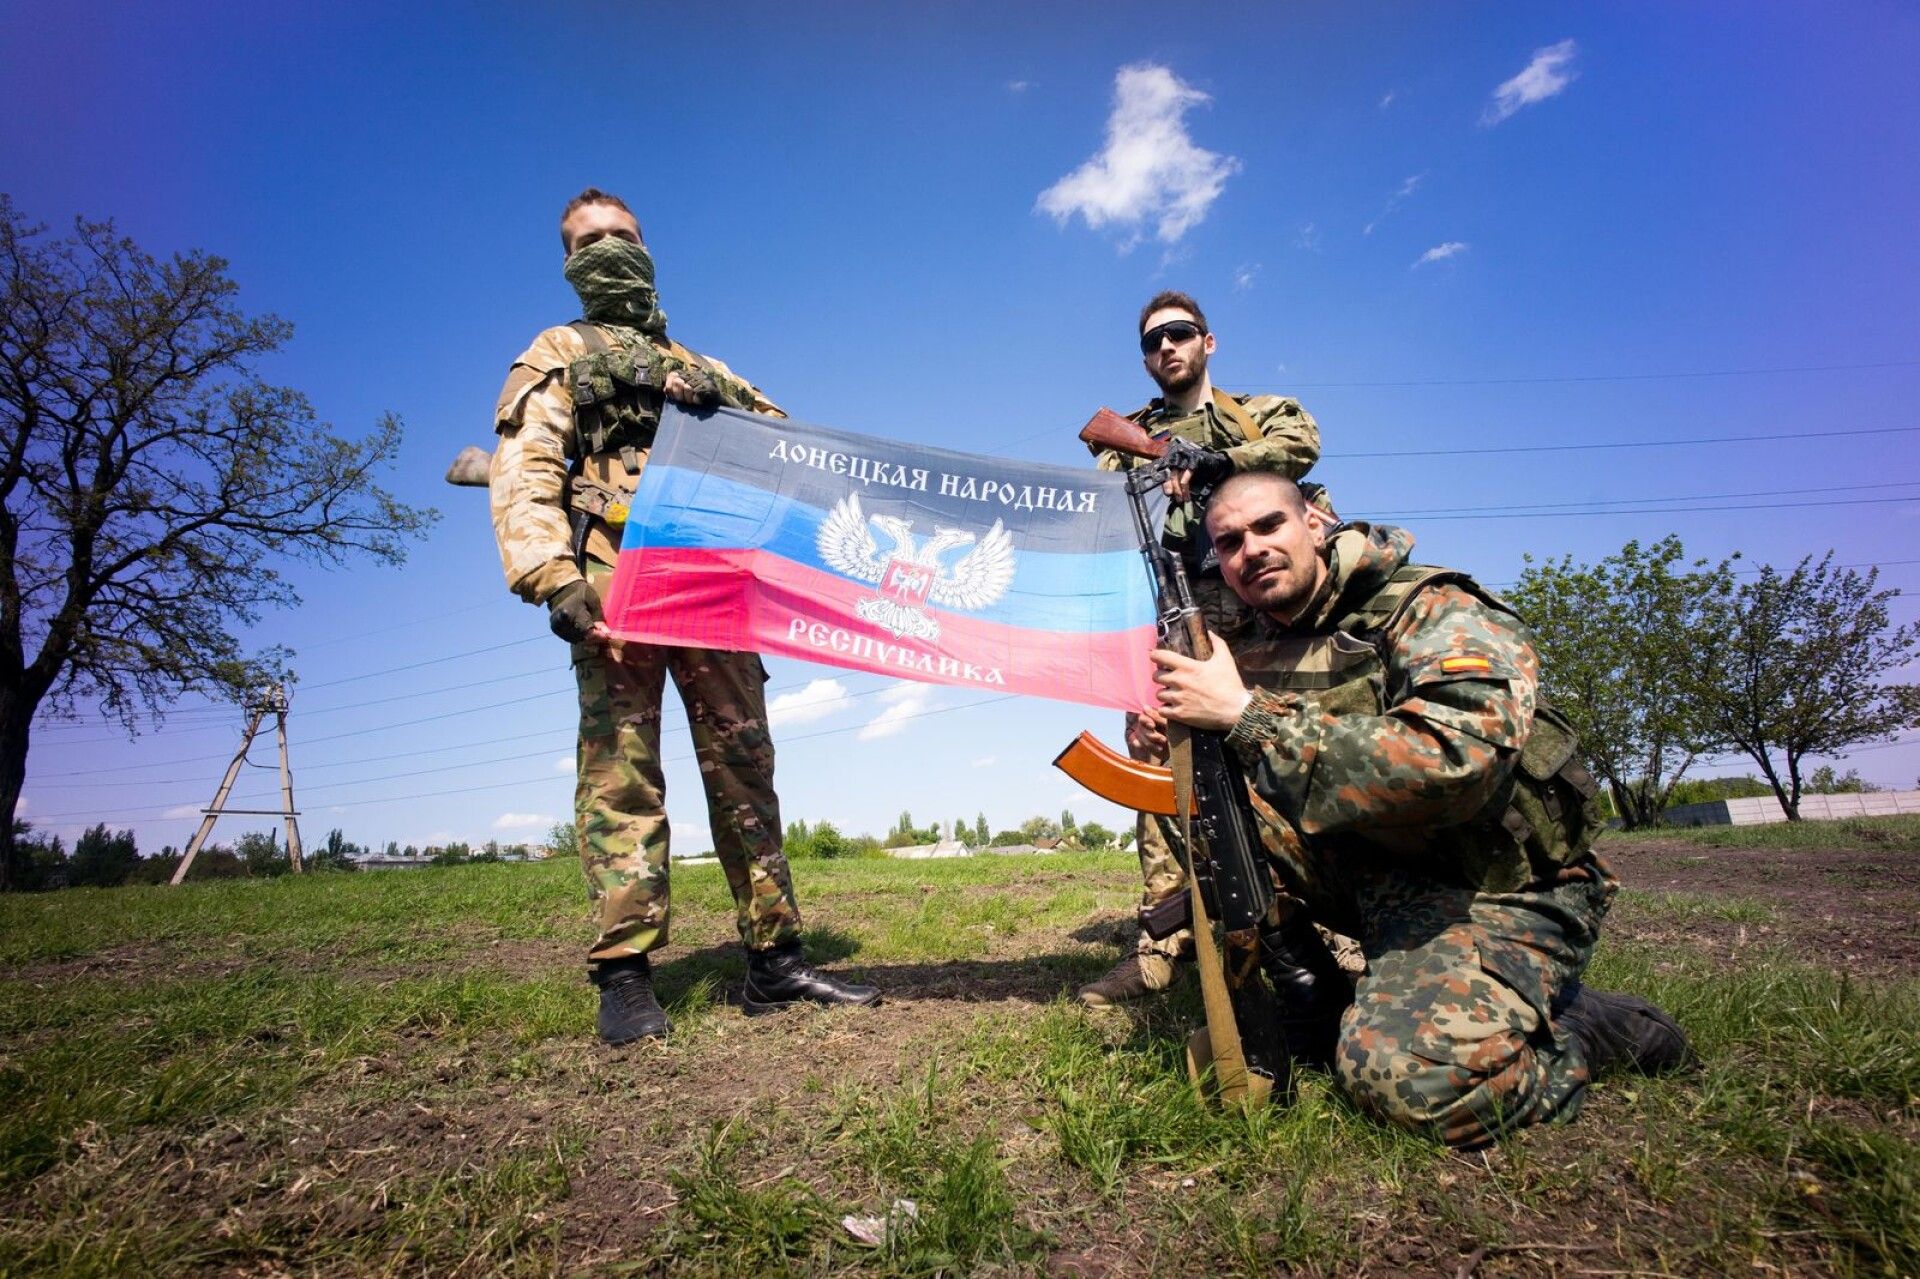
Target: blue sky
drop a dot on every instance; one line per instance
(1445, 229)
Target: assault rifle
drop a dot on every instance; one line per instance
(1227, 879)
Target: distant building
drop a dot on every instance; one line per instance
(920, 852)
(1759, 810)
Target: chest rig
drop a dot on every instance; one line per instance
(1547, 814)
(616, 412)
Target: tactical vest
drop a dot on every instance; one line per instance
(616, 412)
(1545, 817)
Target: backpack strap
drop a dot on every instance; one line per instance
(590, 334)
(1389, 604)
(1232, 410)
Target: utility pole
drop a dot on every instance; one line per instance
(270, 700)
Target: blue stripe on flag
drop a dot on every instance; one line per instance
(680, 508)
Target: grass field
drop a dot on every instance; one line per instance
(395, 1073)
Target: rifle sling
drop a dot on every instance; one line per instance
(1229, 1056)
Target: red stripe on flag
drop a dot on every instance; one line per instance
(748, 600)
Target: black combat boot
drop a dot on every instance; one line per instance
(628, 1010)
(781, 976)
(1625, 1031)
(1310, 991)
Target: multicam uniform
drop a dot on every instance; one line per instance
(1382, 762)
(546, 462)
(1289, 443)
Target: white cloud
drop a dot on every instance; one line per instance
(1018, 86)
(1149, 169)
(1441, 252)
(817, 700)
(1395, 200)
(1550, 71)
(985, 761)
(521, 821)
(1308, 238)
(565, 764)
(1387, 98)
(1243, 276)
(902, 703)
(183, 810)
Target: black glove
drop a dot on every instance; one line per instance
(702, 391)
(572, 610)
(1208, 466)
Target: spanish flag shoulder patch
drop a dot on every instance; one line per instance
(1465, 665)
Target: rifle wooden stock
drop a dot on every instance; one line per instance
(1108, 430)
(1130, 783)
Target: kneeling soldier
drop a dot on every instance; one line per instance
(1414, 794)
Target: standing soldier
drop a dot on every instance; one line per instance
(575, 419)
(1236, 433)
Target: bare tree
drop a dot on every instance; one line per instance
(1796, 664)
(149, 482)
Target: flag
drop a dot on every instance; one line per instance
(775, 536)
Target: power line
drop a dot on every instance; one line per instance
(1675, 510)
(1625, 502)
(431, 661)
(1799, 436)
(1622, 377)
(572, 735)
(523, 781)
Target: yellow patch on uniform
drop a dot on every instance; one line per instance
(616, 513)
(1457, 665)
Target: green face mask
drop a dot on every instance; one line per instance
(614, 279)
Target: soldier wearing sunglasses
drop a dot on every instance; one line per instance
(1236, 433)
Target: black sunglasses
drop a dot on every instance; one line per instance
(1179, 330)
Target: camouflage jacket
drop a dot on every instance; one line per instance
(1422, 731)
(1290, 444)
(539, 444)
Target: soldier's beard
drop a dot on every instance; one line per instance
(1188, 378)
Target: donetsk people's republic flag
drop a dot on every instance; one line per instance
(775, 536)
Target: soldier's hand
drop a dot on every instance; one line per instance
(1208, 695)
(573, 612)
(694, 387)
(1147, 735)
(1195, 470)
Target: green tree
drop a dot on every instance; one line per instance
(1094, 835)
(150, 481)
(1035, 829)
(828, 841)
(1798, 664)
(43, 858)
(1066, 822)
(981, 836)
(1616, 642)
(337, 853)
(563, 840)
(1824, 782)
(259, 852)
(102, 859)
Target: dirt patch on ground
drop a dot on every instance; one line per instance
(1848, 910)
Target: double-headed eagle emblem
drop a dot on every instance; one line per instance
(915, 570)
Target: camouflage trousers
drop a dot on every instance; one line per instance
(1452, 1028)
(620, 792)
